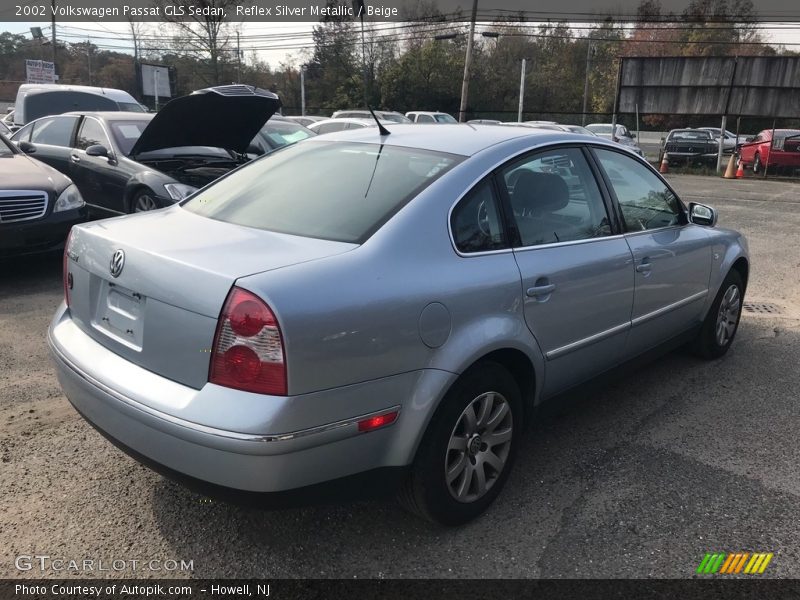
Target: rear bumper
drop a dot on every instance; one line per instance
(42, 235)
(230, 458)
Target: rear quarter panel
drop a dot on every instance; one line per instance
(356, 316)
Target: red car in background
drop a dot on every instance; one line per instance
(764, 152)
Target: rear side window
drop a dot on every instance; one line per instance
(476, 221)
(335, 191)
(555, 198)
(55, 131)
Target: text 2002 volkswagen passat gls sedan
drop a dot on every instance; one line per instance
(360, 303)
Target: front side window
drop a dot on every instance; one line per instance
(91, 134)
(329, 190)
(54, 131)
(555, 198)
(424, 119)
(645, 200)
(476, 222)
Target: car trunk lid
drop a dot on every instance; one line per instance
(150, 287)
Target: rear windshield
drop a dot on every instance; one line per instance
(331, 190)
(690, 135)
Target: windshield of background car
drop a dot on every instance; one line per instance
(282, 133)
(330, 190)
(600, 128)
(131, 107)
(393, 117)
(444, 119)
(126, 133)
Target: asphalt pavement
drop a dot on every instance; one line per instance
(637, 478)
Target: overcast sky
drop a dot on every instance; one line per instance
(272, 39)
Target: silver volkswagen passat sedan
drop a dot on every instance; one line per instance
(357, 305)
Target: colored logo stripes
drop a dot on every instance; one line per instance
(739, 562)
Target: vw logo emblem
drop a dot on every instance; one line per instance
(117, 263)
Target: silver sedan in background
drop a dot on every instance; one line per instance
(357, 305)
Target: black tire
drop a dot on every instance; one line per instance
(143, 197)
(757, 164)
(708, 343)
(426, 492)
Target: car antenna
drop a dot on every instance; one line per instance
(381, 128)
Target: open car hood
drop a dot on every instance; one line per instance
(227, 116)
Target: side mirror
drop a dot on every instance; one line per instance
(27, 147)
(749, 139)
(97, 150)
(253, 149)
(700, 214)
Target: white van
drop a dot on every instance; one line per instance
(36, 100)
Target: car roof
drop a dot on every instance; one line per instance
(112, 115)
(461, 138)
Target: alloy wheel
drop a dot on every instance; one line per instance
(144, 202)
(728, 316)
(479, 447)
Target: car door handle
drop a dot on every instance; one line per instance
(75, 158)
(541, 290)
(644, 267)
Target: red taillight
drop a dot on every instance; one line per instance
(66, 272)
(377, 422)
(248, 348)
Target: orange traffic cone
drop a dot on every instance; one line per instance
(740, 171)
(730, 172)
(664, 168)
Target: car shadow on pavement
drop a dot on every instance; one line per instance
(636, 478)
(35, 273)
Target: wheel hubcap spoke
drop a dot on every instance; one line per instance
(457, 468)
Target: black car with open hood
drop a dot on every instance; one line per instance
(127, 162)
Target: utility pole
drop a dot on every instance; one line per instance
(238, 59)
(53, 33)
(89, 57)
(462, 110)
(589, 55)
(521, 91)
(303, 90)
